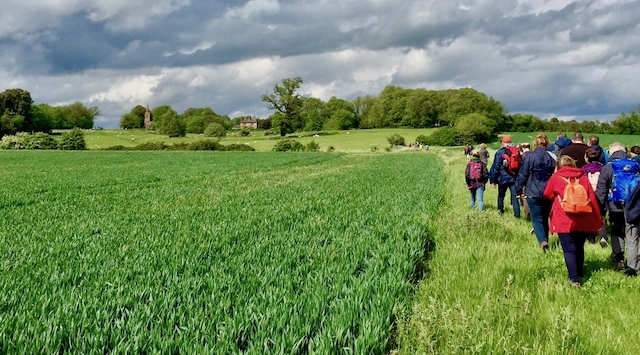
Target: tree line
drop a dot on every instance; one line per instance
(462, 115)
(19, 114)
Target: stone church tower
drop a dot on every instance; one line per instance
(147, 118)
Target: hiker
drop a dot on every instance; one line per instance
(476, 176)
(613, 196)
(537, 167)
(484, 154)
(466, 151)
(503, 174)
(592, 170)
(574, 213)
(576, 149)
(525, 148)
(594, 142)
(634, 153)
(561, 142)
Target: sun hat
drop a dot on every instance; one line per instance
(506, 139)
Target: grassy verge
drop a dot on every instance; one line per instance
(491, 290)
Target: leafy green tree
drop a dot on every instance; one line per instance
(627, 123)
(215, 130)
(264, 123)
(197, 120)
(8, 123)
(130, 121)
(474, 128)
(40, 120)
(287, 102)
(172, 125)
(17, 102)
(75, 115)
(341, 114)
(133, 119)
(312, 114)
(158, 113)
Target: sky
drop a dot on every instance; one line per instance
(551, 58)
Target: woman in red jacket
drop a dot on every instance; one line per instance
(572, 228)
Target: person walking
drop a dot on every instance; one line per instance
(574, 213)
(537, 167)
(594, 143)
(476, 176)
(576, 149)
(621, 232)
(484, 154)
(504, 170)
(592, 170)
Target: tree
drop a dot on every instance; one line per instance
(197, 119)
(75, 115)
(133, 119)
(17, 102)
(40, 119)
(172, 125)
(341, 114)
(287, 102)
(215, 130)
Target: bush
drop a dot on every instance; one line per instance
(150, 146)
(288, 145)
(445, 136)
(72, 140)
(271, 132)
(206, 144)
(239, 148)
(215, 130)
(331, 149)
(396, 139)
(422, 139)
(245, 132)
(312, 147)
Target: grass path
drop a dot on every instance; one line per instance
(491, 290)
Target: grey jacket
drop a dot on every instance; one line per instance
(604, 184)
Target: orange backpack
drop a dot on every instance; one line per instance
(575, 198)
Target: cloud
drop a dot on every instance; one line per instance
(253, 8)
(560, 57)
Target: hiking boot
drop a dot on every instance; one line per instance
(576, 284)
(603, 242)
(630, 272)
(620, 266)
(544, 246)
(532, 231)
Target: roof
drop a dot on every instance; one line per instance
(251, 120)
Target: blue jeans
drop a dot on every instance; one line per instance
(476, 196)
(502, 191)
(540, 209)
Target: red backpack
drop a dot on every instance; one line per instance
(475, 170)
(512, 159)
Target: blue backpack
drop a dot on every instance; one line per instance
(626, 174)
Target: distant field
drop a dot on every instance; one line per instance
(353, 141)
(203, 252)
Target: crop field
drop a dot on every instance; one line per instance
(183, 252)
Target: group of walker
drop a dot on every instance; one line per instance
(568, 188)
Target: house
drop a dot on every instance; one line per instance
(250, 123)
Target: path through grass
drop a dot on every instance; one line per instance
(491, 290)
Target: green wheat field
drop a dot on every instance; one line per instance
(360, 251)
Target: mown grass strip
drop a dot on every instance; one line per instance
(491, 290)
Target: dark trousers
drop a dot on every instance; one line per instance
(502, 191)
(573, 249)
(617, 221)
(540, 209)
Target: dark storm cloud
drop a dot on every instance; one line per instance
(553, 57)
